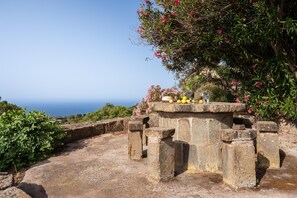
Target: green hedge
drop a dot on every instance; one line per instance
(26, 138)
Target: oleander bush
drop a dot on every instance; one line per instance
(26, 138)
(250, 45)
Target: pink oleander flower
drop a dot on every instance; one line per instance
(157, 53)
(163, 19)
(234, 82)
(140, 29)
(237, 100)
(219, 32)
(164, 56)
(173, 13)
(250, 111)
(148, 111)
(137, 111)
(176, 2)
(246, 98)
(139, 12)
(259, 84)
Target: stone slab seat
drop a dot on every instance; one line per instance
(239, 161)
(160, 132)
(161, 152)
(268, 145)
(135, 139)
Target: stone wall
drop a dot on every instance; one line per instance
(80, 131)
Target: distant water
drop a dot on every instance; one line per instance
(56, 109)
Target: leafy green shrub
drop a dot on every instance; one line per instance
(108, 111)
(5, 106)
(27, 138)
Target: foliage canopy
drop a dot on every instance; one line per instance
(250, 42)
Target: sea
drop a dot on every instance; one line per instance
(65, 108)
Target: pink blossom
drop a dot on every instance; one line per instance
(173, 13)
(164, 56)
(234, 82)
(137, 111)
(237, 100)
(176, 2)
(246, 98)
(148, 111)
(259, 84)
(219, 32)
(250, 111)
(157, 53)
(163, 19)
(139, 29)
(139, 12)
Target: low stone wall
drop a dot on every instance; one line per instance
(80, 131)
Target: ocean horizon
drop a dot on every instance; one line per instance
(64, 108)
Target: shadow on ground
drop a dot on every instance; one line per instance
(34, 190)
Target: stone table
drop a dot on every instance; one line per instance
(198, 144)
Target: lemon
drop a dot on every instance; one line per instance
(170, 101)
(185, 98)
(188, 101)
(200, 101)
(178, 101)
(183, 101)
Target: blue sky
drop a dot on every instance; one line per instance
(74, 50)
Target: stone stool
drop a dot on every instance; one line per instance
(160, 153)
(239, 161)
(267, 145)
(135, 142)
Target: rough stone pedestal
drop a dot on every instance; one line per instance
(267, 145)
(239, 161)
(197, 132)
(135, 143)
(160, 153)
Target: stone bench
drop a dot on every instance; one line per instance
(160, 153)
(267, 145)
(136, 136)
(239, 159)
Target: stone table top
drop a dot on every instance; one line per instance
(212, 107)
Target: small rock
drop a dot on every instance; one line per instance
(6, 181)
(13, 192)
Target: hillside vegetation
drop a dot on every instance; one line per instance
(108, 111)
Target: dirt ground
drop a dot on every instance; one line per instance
(99, 167)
